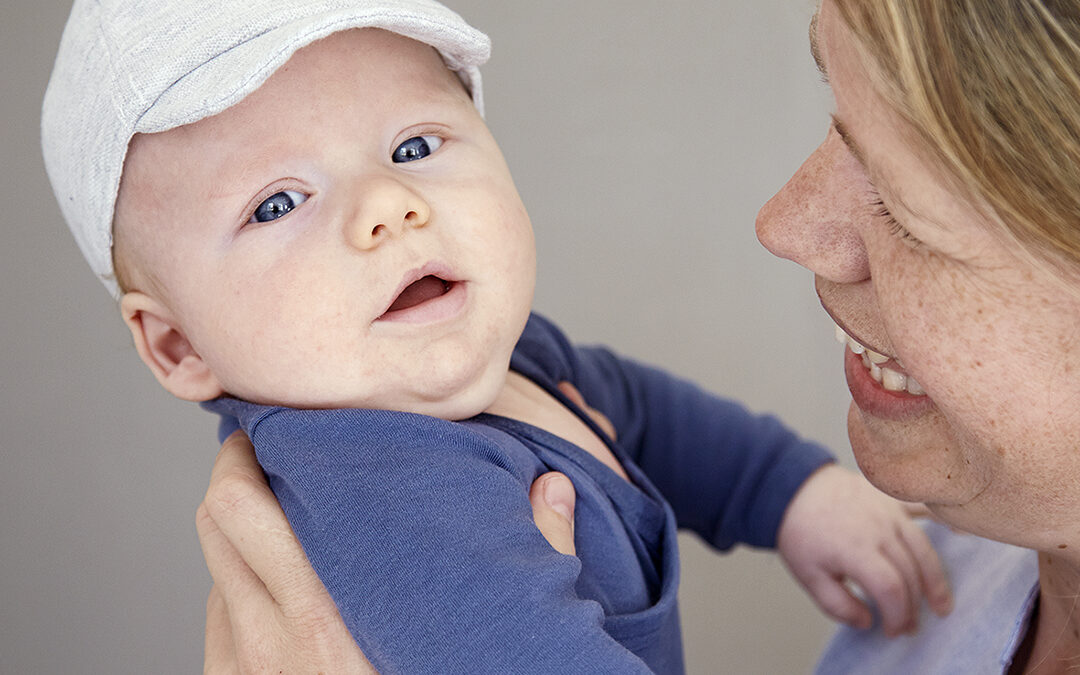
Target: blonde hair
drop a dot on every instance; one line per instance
(992, 90)
(121, 274)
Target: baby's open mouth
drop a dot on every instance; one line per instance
(419, 292)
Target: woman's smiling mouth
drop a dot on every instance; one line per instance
(883, 369)
(879, 385)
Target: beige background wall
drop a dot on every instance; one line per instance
(643, 136)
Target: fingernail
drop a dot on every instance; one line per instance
(559, 495)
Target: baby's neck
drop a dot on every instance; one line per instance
(520, 398)
(523, 400)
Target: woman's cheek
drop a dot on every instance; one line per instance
(922, 310)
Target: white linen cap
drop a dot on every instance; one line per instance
(144, 66)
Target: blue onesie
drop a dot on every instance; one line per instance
(422, 532)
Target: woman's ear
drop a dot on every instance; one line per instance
(165, 349)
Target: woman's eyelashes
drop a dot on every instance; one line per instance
(417, 147)
(277, 205)
(895, 228)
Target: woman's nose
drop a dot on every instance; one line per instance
(386, 208)
(815, 218)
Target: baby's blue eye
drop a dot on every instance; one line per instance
(277, 205)
(417, 147)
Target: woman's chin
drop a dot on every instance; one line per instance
(908, 460)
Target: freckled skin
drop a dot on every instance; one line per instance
(988, 334)
(975, 324)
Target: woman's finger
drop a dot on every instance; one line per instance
(234, 581)
(552, 496)
(279, 616)
(220, 650)
(242, 505)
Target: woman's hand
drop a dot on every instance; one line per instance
(267, 610)
(840, 528)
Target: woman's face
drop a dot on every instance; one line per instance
(912, 271)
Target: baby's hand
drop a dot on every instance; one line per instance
(838, 528)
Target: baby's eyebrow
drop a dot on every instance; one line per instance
(815, 48)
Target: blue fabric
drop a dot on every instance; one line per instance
(994, 587)
(422, 532)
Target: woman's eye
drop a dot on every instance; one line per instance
(417, 147)
(895, 228)
(276, 206)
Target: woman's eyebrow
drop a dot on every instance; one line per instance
(880, 183)
(849, 141)
(815, 48)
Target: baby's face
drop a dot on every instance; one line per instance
(347, 236)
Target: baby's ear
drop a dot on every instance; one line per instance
(165, 349)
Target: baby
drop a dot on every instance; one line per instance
(314, 233)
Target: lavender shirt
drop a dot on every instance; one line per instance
(995, 586)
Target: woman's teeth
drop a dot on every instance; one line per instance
(890, 379)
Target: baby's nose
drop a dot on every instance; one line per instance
(387, 208)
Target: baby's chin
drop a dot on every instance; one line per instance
(457, 405)
(446, 410)
(465, 394)
(453, 409)
(452, 403)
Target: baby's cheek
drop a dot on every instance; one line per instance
(253, 347)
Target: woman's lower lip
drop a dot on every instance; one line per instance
(874, 399)
(446, 306)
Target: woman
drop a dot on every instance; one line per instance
(941, 217)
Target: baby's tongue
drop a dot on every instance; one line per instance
(417, 292)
